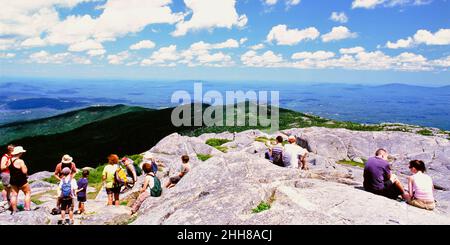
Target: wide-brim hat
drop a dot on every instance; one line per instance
(17, 150)
(66, 159)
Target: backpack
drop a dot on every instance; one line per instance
(277, 156)
(154, 167)
(120, 177)
(66, 189)
(156, 190)
(137, 169)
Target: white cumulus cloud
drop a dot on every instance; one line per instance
(144, 44)
(207, 14)
(338, 33)
(440, 37)
(339, 17)
(284, 36)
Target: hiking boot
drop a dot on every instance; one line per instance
(60, 222)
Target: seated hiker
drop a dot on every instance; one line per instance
(5, 176)
(108, 177)
(19, 179)
(67, 189)
(66, 162)
(297, 155)
(183, 170)
(276, 152)
(420, 187)
(131, 171)
(151, 187)
(82, 185)
(378, 178)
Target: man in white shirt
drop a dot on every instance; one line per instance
(296, 153)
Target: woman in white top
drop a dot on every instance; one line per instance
(420, 186)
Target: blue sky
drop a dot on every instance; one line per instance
(345, 41)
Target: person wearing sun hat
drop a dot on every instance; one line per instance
(19, 179)
(66, 162)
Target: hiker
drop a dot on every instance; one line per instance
(131, 171)
(19, 179)
(276, 152)
(67, 189)
(66, 162)
(5, 176)
(108, 176)
(184, 169)
(151, 187)
(82, 185)
(297, 155)
(420, 187)
(378, 178)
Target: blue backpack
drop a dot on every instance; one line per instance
(66, 189)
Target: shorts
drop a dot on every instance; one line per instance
(67, 204)
(114, 190)
(81, 198)
(175, 179)
(5, 179)
(428, 205)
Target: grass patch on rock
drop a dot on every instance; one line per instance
(262, 206)
(203, 157)
(217, 143)
(425, 132)
(351, 163)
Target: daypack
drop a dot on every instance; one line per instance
(277, 156)
(154, 167)
(156, 190)
(137, 169)
(120, 177)
(66, 189)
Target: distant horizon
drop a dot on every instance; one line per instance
(4, 79)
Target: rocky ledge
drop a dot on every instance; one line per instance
(228, 187)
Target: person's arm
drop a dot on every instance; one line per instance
(145, 185)
(73, 170)
(57, 171)
(24, 168)
(3, 163)
(410, 186)
(104, 176)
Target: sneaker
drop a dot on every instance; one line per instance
(60, 222)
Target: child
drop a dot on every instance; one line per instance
(67, 188)
(81, 192)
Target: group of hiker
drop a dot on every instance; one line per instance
(118, 176)
(14, 178)
(378, 177)
(290, 155)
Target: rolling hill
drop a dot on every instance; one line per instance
(91, 134)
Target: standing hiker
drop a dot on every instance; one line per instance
(5, 176)
(19, 179)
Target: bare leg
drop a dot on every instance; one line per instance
(116, 199)
(63, 214)
(14, 192)
(4, 195)
(110, 199)
(27, 192)
(304, 164)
